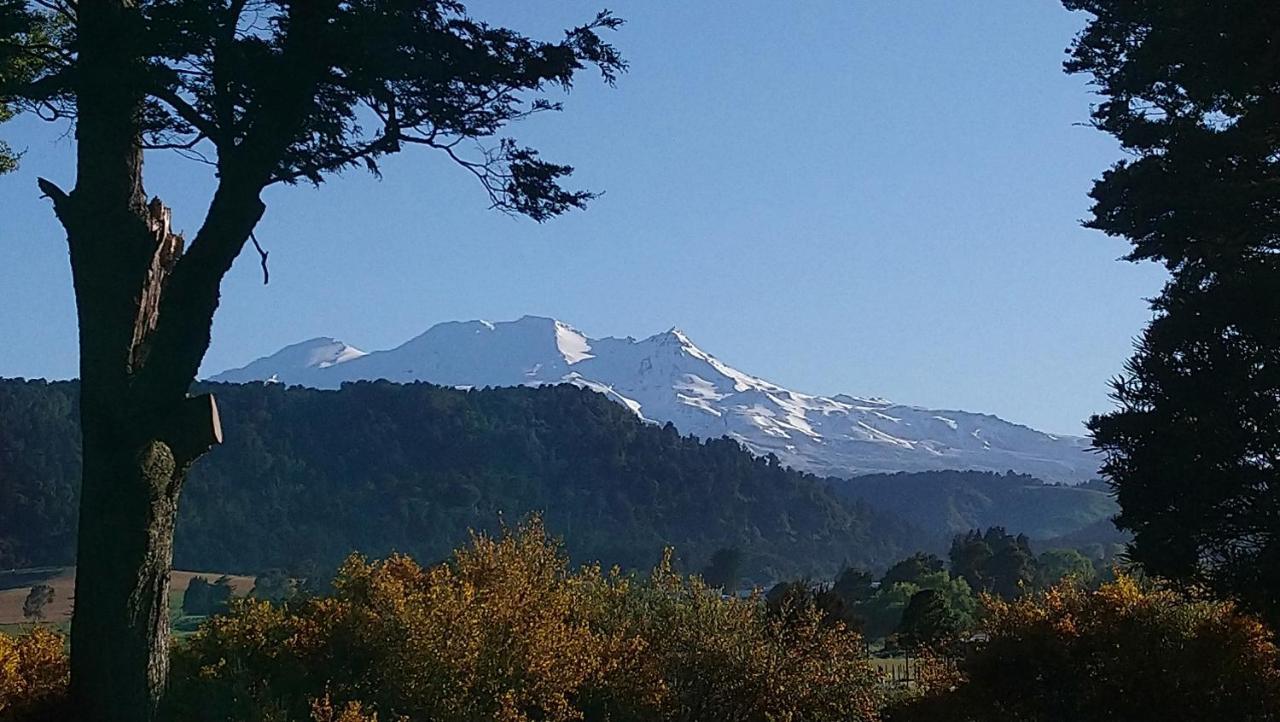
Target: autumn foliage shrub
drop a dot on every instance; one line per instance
(506, 631)
(705, 657)
(1122, 653)
(33, 675)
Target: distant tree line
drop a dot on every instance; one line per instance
(923, 600)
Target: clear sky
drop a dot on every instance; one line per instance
(873, 197)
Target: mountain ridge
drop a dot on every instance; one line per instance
(666, 377)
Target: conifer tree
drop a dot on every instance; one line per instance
(1191, 90)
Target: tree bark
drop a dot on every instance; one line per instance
(144, 326)
(120, 628)
(137, 446)
(137, 441)
(145, 310)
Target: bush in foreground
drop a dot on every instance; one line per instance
(33, 675)
(506, 631)
(1122, 653)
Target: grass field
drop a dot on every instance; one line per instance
(16, 583)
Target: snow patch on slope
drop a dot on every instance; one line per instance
(573, 346)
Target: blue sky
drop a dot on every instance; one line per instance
(868, 196)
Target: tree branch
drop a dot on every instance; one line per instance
(186, 313)
(188, 113)
(373, 147)
(185, 319)
(266, 274)
(174, 146)
(59, 197)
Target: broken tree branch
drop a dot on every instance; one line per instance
(266, 275)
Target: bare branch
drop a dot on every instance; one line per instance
(266, 275)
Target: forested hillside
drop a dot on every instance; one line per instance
(306, 476)
(945, 503)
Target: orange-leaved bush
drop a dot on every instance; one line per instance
(33, 674)
(719, 658)
(1126, 651)
(507, 631)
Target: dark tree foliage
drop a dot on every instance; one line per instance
(854, 585)
(970, 553)
(288, 92)
(272, 585)
(912, 569)
(994, 561)
(1195, 445)
(40, 596)
(203, 597)
(1192, 92)
(791, 601)
(1012, 570)
(928, 621)
(22, 34)
(724, 571)
(307, 476)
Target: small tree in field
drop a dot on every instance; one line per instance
(203, 597)
(40, 596)
(275, 92)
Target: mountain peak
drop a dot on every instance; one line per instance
(532, 320)
(284, 365)
(666, 377)
(672, 336)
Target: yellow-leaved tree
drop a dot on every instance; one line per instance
(507, 631)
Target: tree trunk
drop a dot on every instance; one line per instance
(145, 311)
(137, 446)
(120, 629)
(121, 254)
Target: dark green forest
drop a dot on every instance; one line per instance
(307, 476)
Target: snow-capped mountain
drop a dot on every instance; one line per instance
(666, 377)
